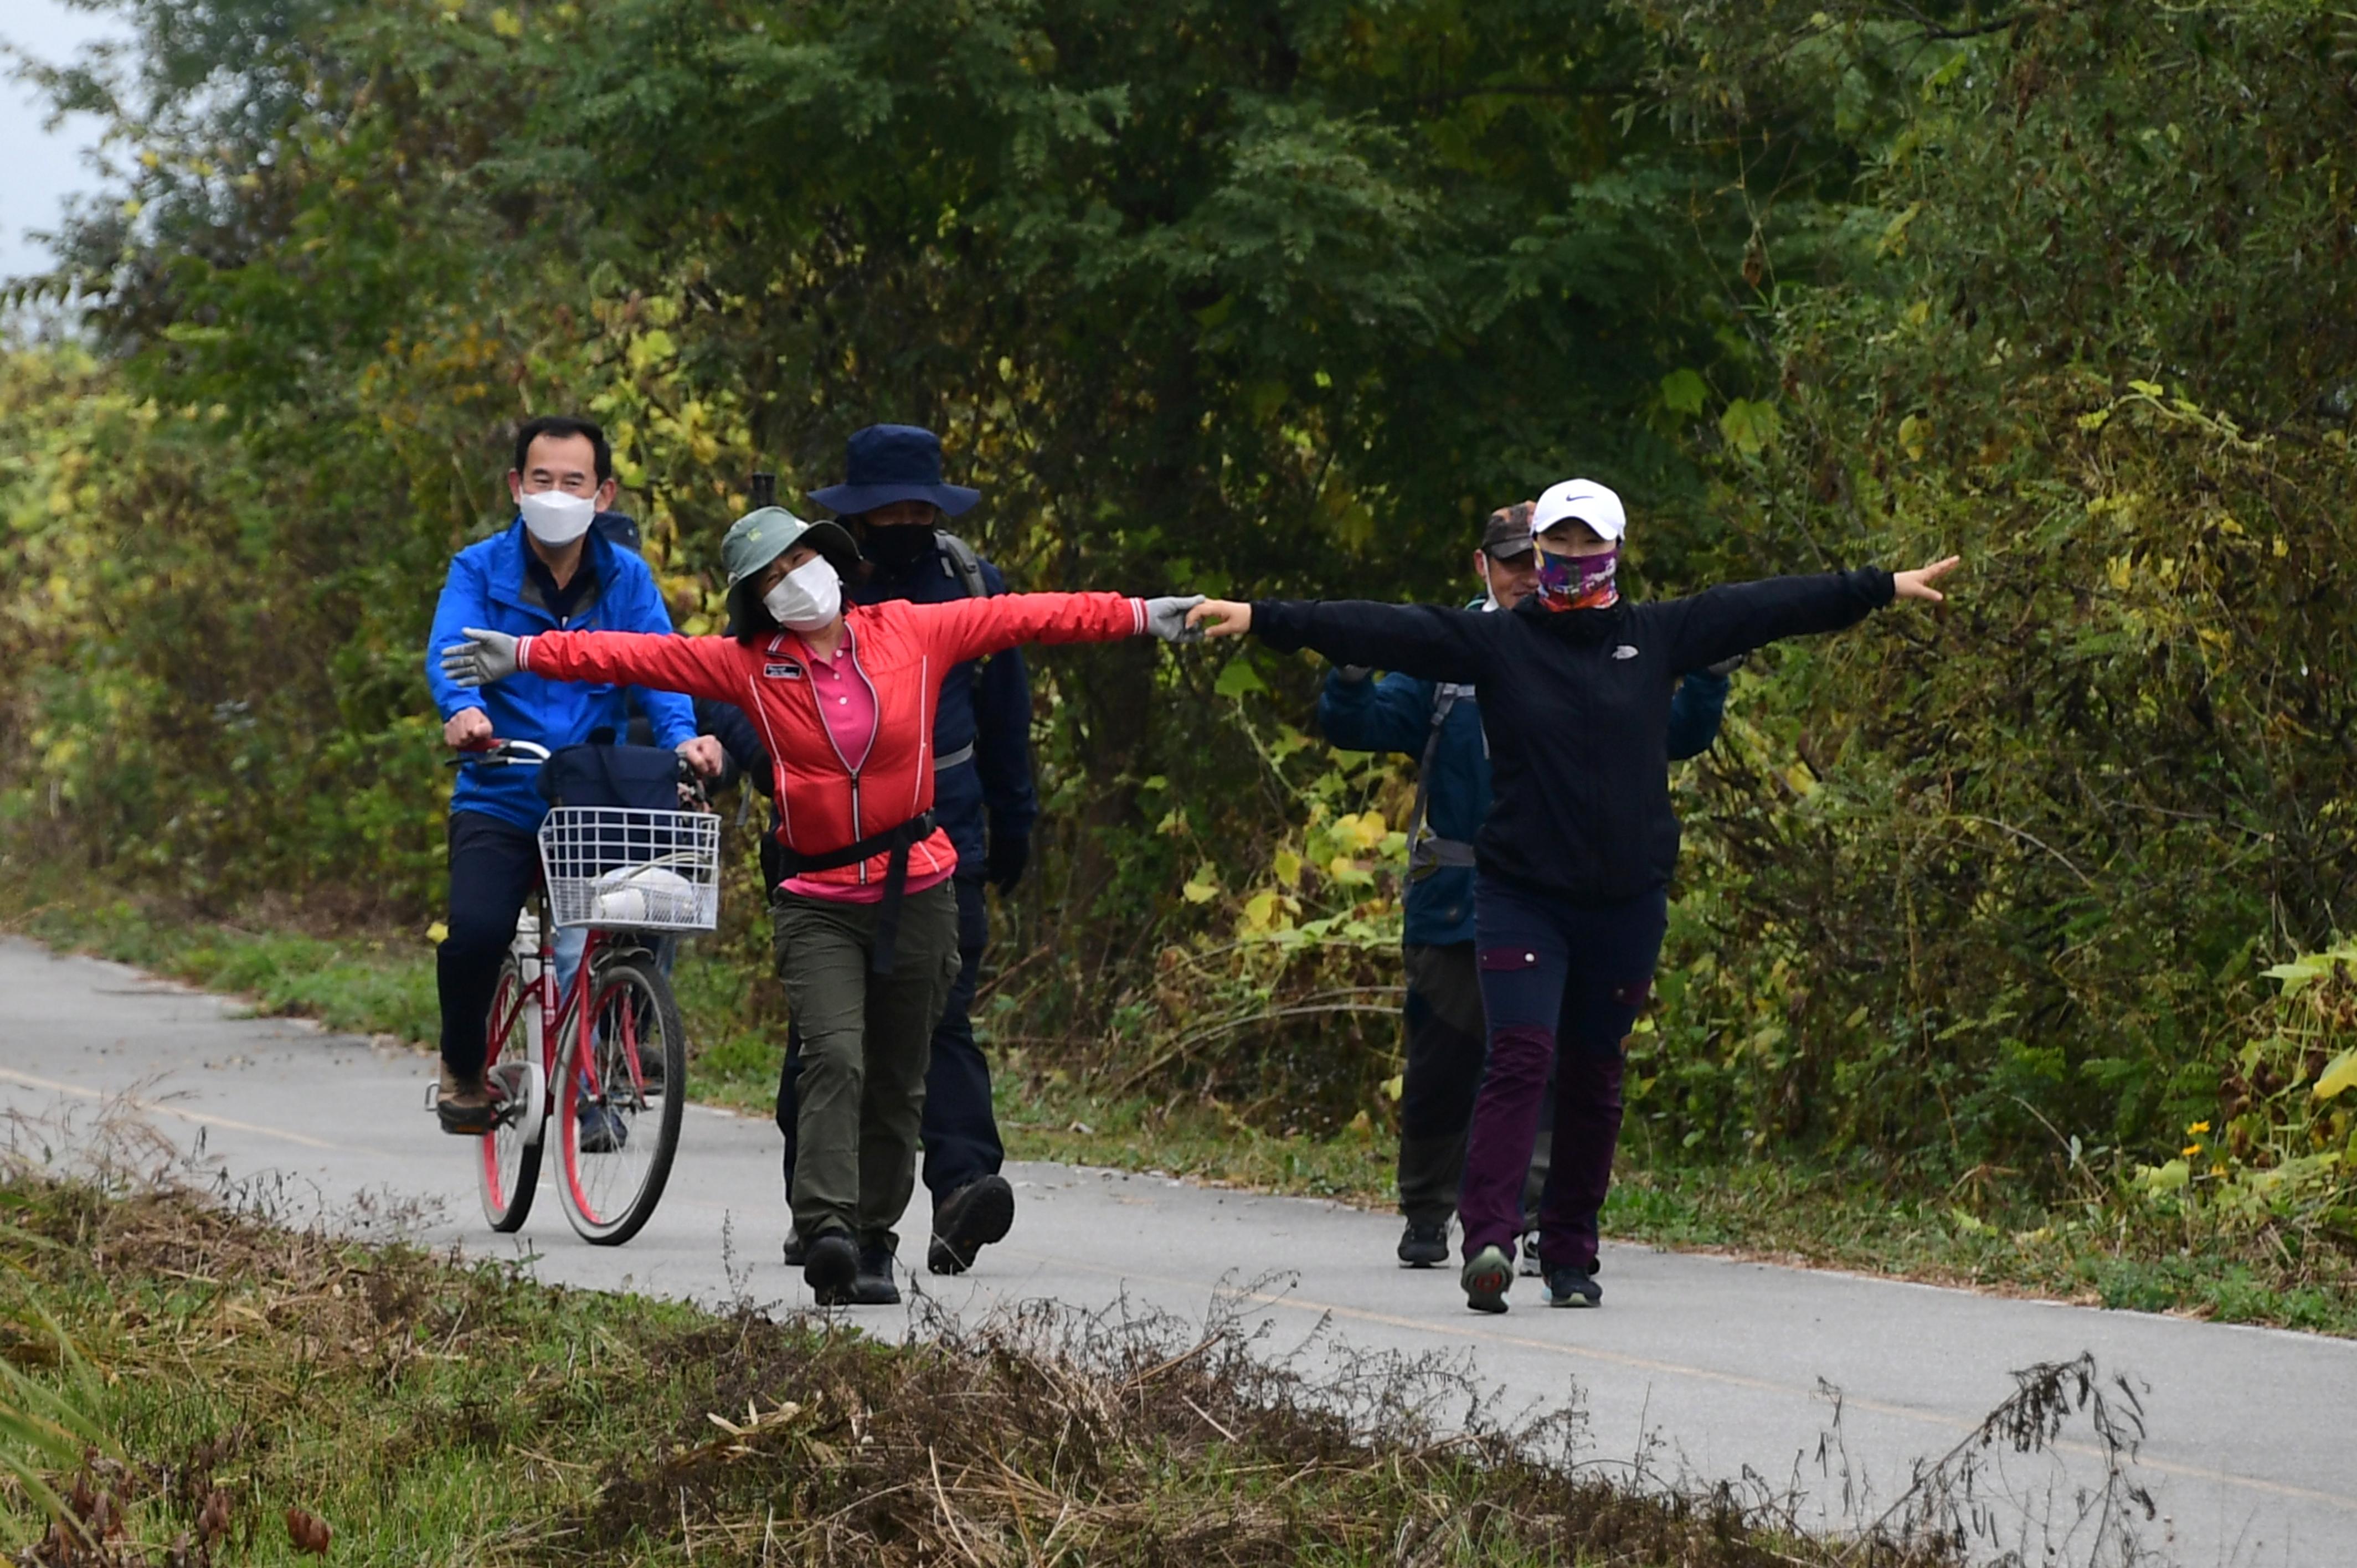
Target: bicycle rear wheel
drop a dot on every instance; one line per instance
(509, 1164)
(617, 1097)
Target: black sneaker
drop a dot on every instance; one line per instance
(1529, 1263)
(873, 1286)
(795, 1250)
(1568, 1286)
(831, 1268)
(1488, 1275)
(1424, 1246)
(967, 1221)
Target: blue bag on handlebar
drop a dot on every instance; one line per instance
(623, 780)
(600, 773)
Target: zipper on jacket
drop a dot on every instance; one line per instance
(820, 703)
(875, 704)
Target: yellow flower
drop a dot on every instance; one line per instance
(2190, 1150)
(2218, 1169)
(2199, 1127)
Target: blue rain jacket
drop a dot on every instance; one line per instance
(487, 587)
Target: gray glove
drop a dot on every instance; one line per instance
(1726, 666)
(1166, 618)
(1352, 674)
(483, 658)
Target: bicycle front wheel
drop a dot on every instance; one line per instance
(615, 1102)
(509, 1164)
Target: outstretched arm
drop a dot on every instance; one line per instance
(696, 666)
(1423, 640)
(1736, 617)
(968, 628)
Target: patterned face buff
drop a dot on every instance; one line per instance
(1578, 582)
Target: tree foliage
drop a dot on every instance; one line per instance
(1281, 300)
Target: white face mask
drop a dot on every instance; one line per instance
(555, 519)
(807, 597)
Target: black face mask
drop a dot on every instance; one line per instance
(898, 550)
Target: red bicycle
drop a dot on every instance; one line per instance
(604, 1055)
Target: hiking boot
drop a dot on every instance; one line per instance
(967, 1221)
(1488, 1275)
(1529, 1265)
(795, 1250)
(603, 1131)
(1568, 1286)
(873, 1286)
(463, 1105)
(831, 1268)
(1424, 1246)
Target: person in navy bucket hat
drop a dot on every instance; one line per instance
(888, 463)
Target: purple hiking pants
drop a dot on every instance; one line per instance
(1556, 977)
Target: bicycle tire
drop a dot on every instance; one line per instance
(508, 1165)
(610, 1195)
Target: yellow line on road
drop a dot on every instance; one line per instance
(1679, 1369)
(81, 1091)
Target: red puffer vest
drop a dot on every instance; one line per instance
(902, 649)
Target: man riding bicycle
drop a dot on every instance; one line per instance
(548, 571)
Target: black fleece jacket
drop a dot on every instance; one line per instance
(1576, 704)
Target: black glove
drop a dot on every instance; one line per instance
(1003, 866)
(1726, 666)
(1352, 674)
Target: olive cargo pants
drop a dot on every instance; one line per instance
(866, 1040)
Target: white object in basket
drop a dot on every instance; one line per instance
(643, 896)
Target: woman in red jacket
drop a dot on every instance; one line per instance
(864, 924)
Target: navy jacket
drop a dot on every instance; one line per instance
(1395, 715)
(985, 706)
(1577, 708)
(487, 587)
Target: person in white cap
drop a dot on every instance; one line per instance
(1572, 865)
(1440, 723)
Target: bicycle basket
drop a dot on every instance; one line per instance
(618, 867)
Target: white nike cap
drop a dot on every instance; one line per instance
(1590, 502)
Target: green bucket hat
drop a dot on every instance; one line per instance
(761, 537)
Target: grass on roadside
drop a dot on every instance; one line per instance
(384, 984)
(245, 1387)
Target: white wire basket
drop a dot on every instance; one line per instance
(617, 868)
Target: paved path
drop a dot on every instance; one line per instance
(1719, 1366)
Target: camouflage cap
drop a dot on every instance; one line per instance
(1508, 533)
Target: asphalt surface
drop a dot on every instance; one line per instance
(1698, 1368)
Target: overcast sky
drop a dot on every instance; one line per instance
(39, 168)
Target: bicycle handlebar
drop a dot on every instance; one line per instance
(500, 754)
(532, 754)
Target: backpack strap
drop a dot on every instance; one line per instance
(1427, 852)
(963, 562)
